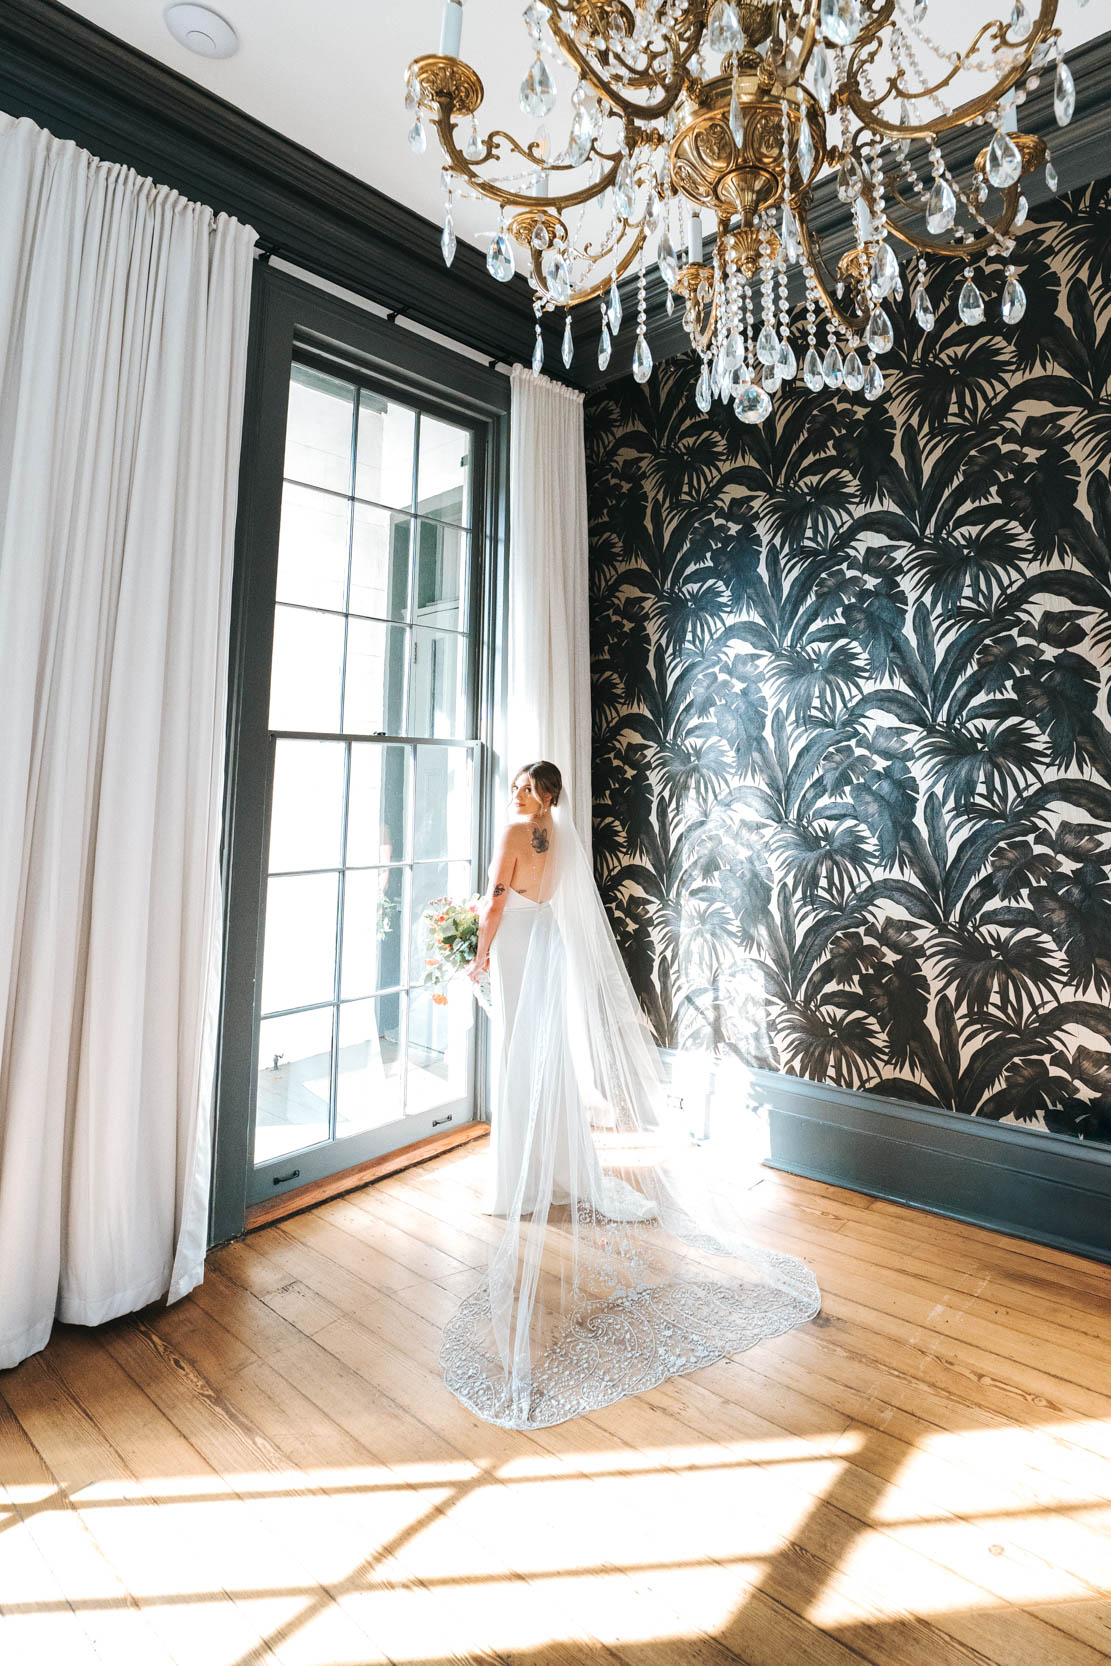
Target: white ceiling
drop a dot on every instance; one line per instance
(330, 73)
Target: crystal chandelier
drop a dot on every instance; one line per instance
(685, 113)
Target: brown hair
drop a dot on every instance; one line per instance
(544, 778)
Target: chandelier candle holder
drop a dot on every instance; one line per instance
(686, 114)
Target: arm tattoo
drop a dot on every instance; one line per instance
(539, 840)
(499, 890)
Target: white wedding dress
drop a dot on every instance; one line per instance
(619, 1257)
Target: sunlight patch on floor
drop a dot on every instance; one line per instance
(723, 1455)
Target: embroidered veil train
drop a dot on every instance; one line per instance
(619, 1257)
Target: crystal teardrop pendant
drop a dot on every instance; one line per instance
(624, 189)
(1051, 176)
(840, 21)
(786, 362)
(850, 180)
(1019, 23)
(667, 260)
(723, 28)
(540, 238)
(812, 371)
(752, 404)
(538, 94)
(920, 9)
(499, 258)
(833, 368)
(703, 393)
(769, 378)
(642, 360)
(970, 304)
(823, 76)
(737, 116)
(873, 381)
(879, 335)
(1004, 164)
(733, 350)
(472, 144)
(923, 311)
(538, 354)
(789, 237)
(613, 307)
(567, 349)
(805, 150)
(1014, 301)
(767, 345)
(1022, 209)
(941, 209)
(417, 140)
(1064, 94)
(581, 139)
(447, 239)
(605, 348)
(557, 276)
(652, 212)
(884, 271)
(854, 372)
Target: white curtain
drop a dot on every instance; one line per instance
(549, 623)
(123, 329)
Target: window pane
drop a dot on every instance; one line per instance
(374, 692)
(380, 563)
(439, 1050)
(318, 429)
(442, 810)
(384, 457)
(369, 1078)
(294, 1082)
(373, 921)
(306, 816)
(433, 879)
(299, 962)
(437, 705)
(378, 811)
(307, 671)
(443, 487)
(441, 557)
(312, 548)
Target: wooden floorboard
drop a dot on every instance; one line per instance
(271, 1470)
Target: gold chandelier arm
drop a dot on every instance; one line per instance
(868, 110)
(452, 90)
(692, 23)
(700, 316)
(591, 293)
(855, 321)
(1000, 228)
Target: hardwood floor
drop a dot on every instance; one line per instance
(272, 1471)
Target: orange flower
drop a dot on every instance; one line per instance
(439, 1000)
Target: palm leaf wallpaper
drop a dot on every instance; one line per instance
(852, 755)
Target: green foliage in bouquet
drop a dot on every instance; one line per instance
(451, 932)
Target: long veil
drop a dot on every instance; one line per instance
(619, 1256)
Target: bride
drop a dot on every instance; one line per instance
(617, 1256)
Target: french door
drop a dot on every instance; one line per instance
(369, 623)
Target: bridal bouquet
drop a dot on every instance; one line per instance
(451, 936)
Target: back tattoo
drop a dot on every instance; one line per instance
(539, 840)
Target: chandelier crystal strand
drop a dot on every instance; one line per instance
(669, 99)
(642, 356)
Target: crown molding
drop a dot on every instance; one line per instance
(84, 84)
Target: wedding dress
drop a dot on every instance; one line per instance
(618, 1257)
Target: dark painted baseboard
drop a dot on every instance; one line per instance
(1046, 1187)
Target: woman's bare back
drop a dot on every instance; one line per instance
(530, 842)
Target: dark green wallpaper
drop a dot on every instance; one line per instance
(852, 755)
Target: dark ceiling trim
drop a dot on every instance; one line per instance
(86, 85)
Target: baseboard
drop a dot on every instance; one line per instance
(1045, 1187)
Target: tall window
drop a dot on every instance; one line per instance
(373, 780)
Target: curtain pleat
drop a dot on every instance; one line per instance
(549, 623)
(123, 330)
